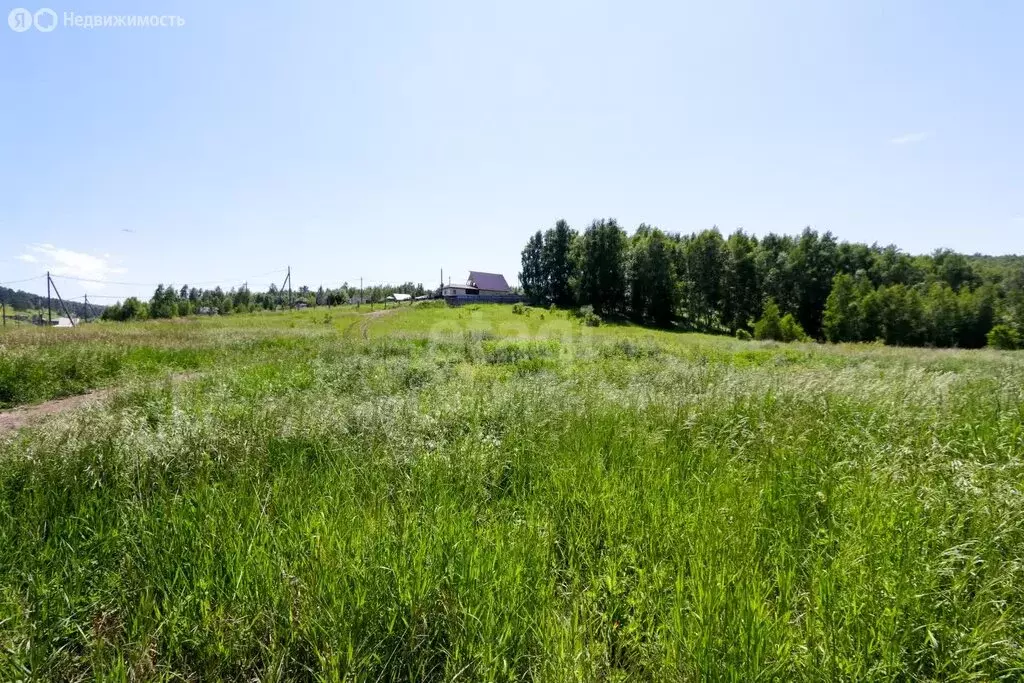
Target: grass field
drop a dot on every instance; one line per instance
(468, 494)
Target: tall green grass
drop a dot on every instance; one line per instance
(453, 499)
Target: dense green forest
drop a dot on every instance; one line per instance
(779, 286)
(17, 300)
(169, 301)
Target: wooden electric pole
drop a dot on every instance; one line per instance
(63, 306)
(287, 281)
(49, 318)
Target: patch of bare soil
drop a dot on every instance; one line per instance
(22, 416)
(16, 418)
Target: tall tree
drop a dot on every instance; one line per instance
(164, 303)
(892, 267)
(841, 320)
(601, 279)
(954, 269)
(977, 316)
(532, 276)
(942, 314)
(902, 315)
(704, 259)
(813, 263)
(775, 272)
(557, 263)
(651, 276)
(742, 296)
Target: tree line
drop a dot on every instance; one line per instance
(170, 302)
(778, 286)
(18, 300)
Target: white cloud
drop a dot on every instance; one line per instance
(68, 263)
(911, 138)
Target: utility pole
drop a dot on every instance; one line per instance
(360, 302)
(63, 306)
(49, 318)
(86, 311)
(3, 305)
(289, 286)
(283, 283)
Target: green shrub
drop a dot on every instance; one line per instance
(743, 335)
(1004, 337)
(790, 329)
(518, 309)
(768, 326)
(771, 326)
(581, 312)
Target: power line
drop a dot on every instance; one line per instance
(157, 284)
(243, 282)
(28, 279)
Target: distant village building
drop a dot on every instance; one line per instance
(399, 297)
(480, 286)
(459, 290)
(488, 283)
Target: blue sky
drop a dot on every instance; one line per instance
(389, 140)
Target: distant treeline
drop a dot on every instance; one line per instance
(170, 301)
(836, 291)
(24, 301)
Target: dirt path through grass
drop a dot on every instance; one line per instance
(22, 416)
(16, 418)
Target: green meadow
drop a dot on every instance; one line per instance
(470, 494)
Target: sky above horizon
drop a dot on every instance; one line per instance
(390, 140)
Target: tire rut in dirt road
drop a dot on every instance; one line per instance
(364, 329)
(23, 416)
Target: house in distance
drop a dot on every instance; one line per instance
(482, 287)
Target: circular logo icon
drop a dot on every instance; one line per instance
(20, 19)
(45, 20)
